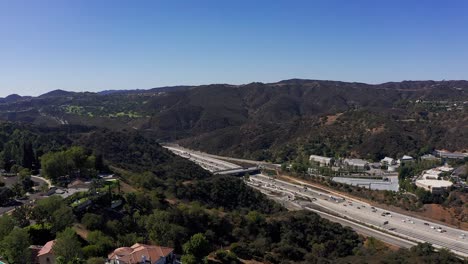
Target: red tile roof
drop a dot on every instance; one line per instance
(135, 253)
(47, 248)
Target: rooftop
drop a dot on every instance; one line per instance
(312, 157)
(135, 253)
(47, 248)
(435, 183)
(406, 157)
(357, 162)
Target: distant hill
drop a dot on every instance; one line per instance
(273, 120)
(57, 93)
(152, 90)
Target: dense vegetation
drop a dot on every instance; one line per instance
(170, 201)
(274, 121)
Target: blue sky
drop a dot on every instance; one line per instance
(98, 45)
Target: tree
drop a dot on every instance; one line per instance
(5, 195)
(15, 168)
(15, 247)
(28, 158)
(6, 226)
(198, 246)
(23, 173)
(189, 259)
(92, 221)
(21, 215)
(62, 218)
(67, 245)
(53, 165)
(17, 188)
(162, 230)
(44, 210)
(102, 242)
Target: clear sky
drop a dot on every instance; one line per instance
(97, 44)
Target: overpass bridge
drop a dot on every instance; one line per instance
(238, 171)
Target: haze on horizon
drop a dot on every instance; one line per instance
(93, 46)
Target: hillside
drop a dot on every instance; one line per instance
(164, 200)
(271, 121)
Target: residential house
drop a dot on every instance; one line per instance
(141, 253)
(46, 254)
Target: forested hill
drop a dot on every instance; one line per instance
(164, 200)
(272, 121)
(24, 145)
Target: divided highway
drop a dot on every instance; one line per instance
(403, 226)
(391, 227)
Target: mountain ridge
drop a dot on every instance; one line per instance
(58, 92)
(272, 121)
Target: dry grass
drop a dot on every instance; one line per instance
(332, 118)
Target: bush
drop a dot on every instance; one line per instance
(95, 260)
(92, 221)
(242, 250)
(91, 251)
(226, 257)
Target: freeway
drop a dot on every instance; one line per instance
(367, 231)
(205, 161)
(178, 149)
(389, 226)
(285, 199)
(403, 226)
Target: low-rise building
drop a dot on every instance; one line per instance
(434, 186)
(358, 164)
(387, 161)
(435, 173)
(392, 168)
(141, 253)
(323, 161)
(450, 155)
(405, 159)
(429, 157)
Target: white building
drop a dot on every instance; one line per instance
(359, 164)
(387, 161)
(451, 155)
(434, 186)
(323, 161)
(429, 157)
(433, 174)
(405, 159)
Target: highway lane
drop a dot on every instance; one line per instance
(205, 161)
(398, 224)
(364, 230)
(221, 158)
(359, 228)
(405, 227)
